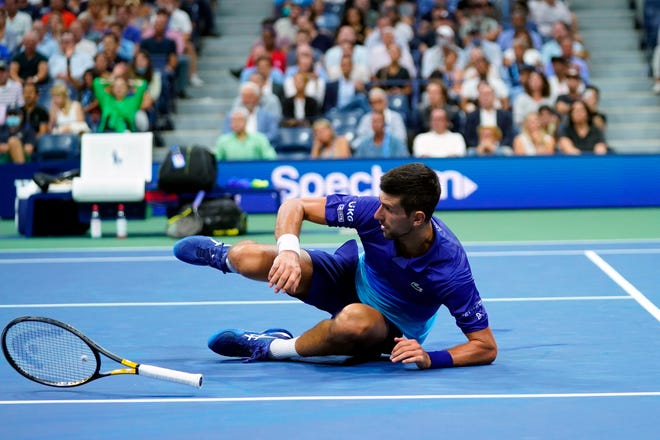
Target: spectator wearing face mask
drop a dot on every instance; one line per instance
(17, 140)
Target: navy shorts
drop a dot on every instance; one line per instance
(333, 278)
(333, 283)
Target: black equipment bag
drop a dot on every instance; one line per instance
(222, 217)
(187, 170)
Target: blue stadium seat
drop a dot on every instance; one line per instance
(399, 103)
(294, 142)
(57, 147)
(328, 23)
(345, 122)
(334, 7)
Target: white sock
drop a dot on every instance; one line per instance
(283, 349)
(229, 266)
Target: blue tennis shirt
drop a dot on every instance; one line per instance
(409, 291)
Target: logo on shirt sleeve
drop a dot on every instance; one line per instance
(477, 311)
(340, 213)
(346, 215)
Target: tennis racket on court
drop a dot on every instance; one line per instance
(53, 353)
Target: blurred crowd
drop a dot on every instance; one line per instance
(75, 66)
(323, 78)
(425, 78)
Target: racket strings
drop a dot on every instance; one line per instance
(50, 353)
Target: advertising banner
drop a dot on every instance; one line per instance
(476, 183)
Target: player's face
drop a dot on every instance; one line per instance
(394, 222)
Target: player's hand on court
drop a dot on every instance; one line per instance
(285, 273)
(409, 351)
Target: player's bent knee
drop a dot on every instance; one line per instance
(248, 257)
(359, 323)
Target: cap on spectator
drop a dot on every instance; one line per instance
(558, 59)
(572, 72)
(3, 65)
(445, 32)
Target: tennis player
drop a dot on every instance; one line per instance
(382, 300)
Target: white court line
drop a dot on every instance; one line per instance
(276, 302)
(155, 304)
(332, 398)
(559, 252)
(561, 242)
(341, 239)
(624, 284)
(66, 260)
(153, 258)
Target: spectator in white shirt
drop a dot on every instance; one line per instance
(18, 21)
(546, 12)
(68, 65)
(379, 56)
(345, 36)
(393, 120)
(439, 141)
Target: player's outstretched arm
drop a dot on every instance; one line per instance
(480, 349)
(291, 214)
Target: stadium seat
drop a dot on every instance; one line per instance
(57, 147)
(399, 103)
(294, 142)
(334, 7)
(328, 23)
(345, 123)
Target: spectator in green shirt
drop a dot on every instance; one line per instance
(241, 145)
(119, 100)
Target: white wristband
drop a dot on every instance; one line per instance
(288, 242)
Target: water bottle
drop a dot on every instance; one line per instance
(95, 223)
(122, 226)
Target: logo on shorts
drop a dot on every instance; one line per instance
(416, 286)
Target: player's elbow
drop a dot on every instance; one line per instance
(490, 353)
(486, 354)
(484, 346)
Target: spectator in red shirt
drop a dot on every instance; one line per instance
(59, 7)
(278, 57)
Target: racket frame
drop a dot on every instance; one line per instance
(97, 350)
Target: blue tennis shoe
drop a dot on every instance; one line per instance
(253, 346)
(202, 251)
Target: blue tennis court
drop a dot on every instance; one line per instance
(577, 325)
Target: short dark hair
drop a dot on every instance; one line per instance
(31, 85)
(416, 184)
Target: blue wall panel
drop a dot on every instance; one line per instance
(467, 183)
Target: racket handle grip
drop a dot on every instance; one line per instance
(191, 379)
